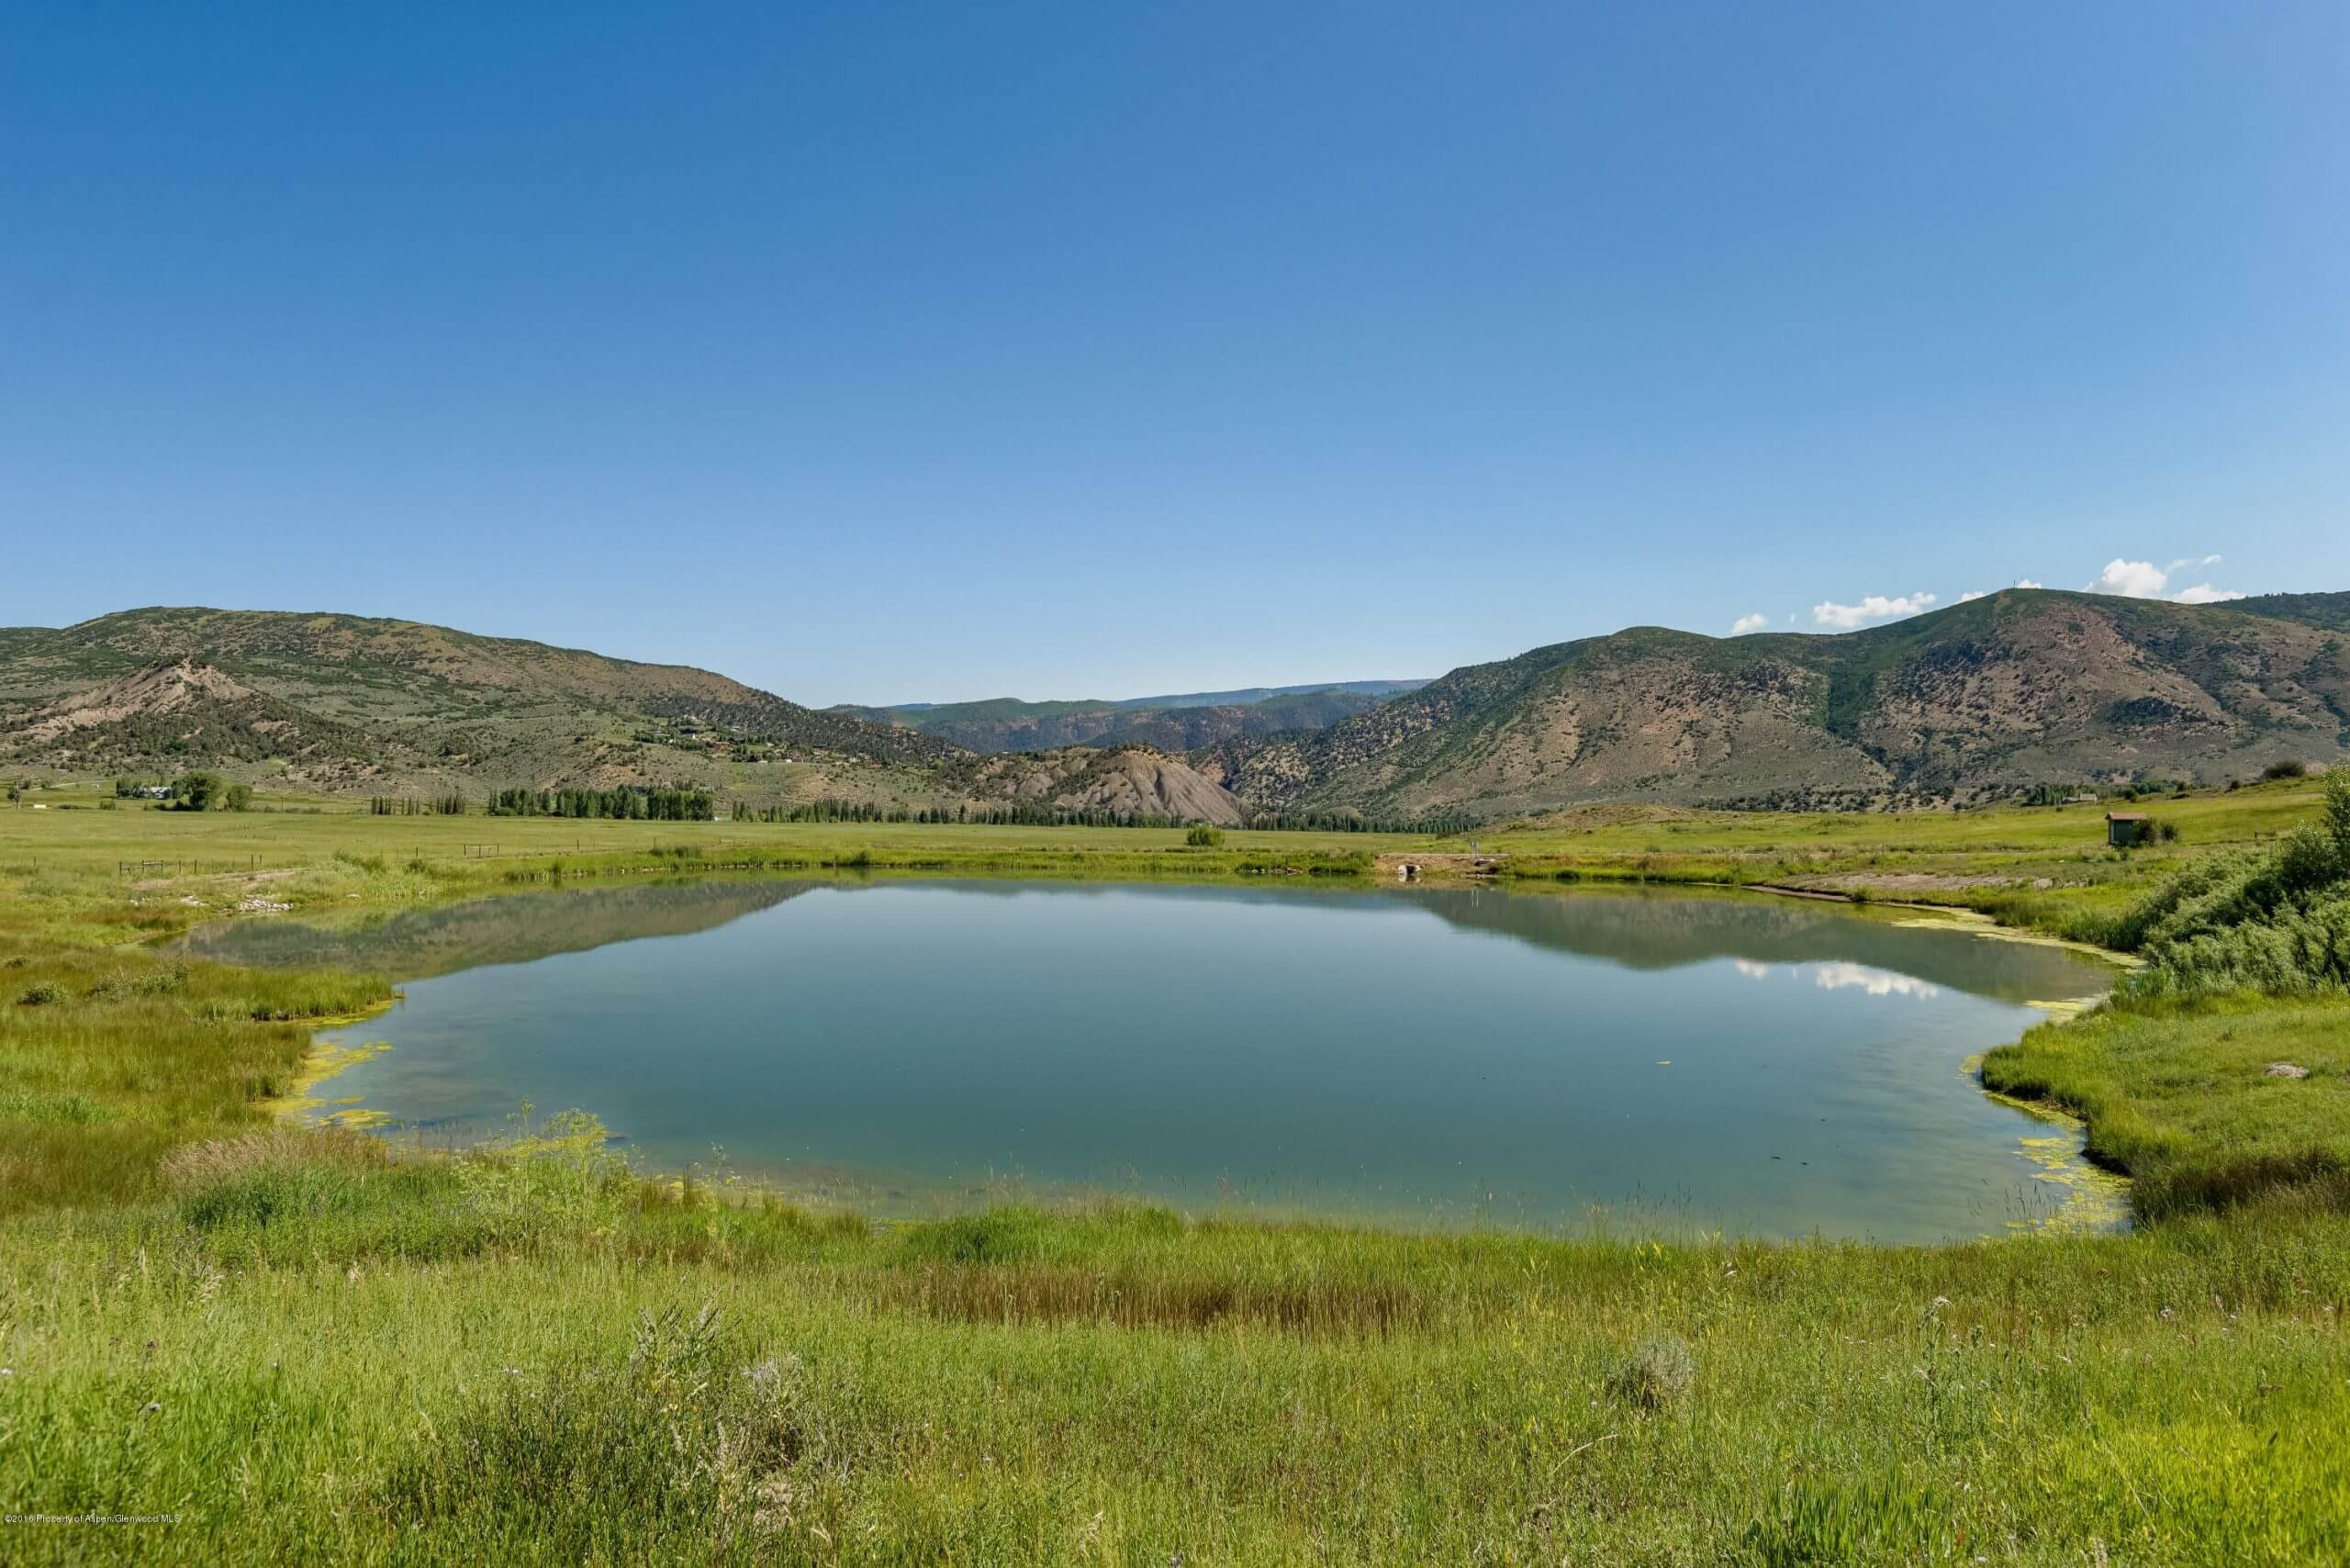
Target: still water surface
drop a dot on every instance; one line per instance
(1432, 1056)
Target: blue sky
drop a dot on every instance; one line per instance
(879, 353)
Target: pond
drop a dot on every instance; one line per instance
(1637, 1060)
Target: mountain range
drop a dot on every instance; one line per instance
(1168, 723)
(1966, 704)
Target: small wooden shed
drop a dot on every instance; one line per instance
(2127, 830)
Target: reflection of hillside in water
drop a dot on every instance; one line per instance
(1636, 928)
(1649, 930)
(513, 928)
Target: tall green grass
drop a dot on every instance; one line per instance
(129, 1056)
(308, 1352)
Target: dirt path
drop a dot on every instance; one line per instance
(1416, 868)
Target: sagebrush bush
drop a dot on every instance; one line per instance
(1658, 1375)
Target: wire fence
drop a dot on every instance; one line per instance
(184, 867)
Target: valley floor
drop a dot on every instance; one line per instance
(249, 1342)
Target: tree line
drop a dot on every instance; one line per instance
(630, 803)
(1016, 814)
(450, 805)
(1349, 821)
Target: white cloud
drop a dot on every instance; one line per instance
(1874, 607)
(1876, 982)
(1745, 623)
(2204, 593)
(1749, 969)
(1973, 594)
(2143, 579)
(2132, 579)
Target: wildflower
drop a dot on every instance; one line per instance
(2167, 1315)
(153, 1407)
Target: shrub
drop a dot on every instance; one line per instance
(1659, 1373)
(41, 995)
(2285, 768)
(2276, 922)
(1204, 837)
(199, 791)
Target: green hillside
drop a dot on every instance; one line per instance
(341, 702)
(1007, 723)
(1968, 703)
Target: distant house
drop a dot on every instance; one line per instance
(2081, 799)
(2126, 830)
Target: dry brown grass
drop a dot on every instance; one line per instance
(280, 1147)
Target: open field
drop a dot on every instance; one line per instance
(303, 1349)
(1988, 859)
(2043, 867)
(498, 1364)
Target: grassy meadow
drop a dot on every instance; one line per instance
(247, 1341)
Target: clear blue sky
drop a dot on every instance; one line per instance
(877, 352)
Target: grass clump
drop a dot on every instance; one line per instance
(1814, 1521)
(1656, 1376)
(683, 1448)
(18, 1104)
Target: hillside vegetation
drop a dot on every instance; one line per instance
(1006, 723)
(340, 703)
(2018, 690)
(1969, 703)
(347, 702)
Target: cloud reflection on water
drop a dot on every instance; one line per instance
(1840, 976)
